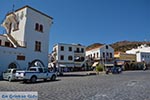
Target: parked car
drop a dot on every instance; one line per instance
(9, 75)
(35, 73)
(116, 70)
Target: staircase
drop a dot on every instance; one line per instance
(12, 40)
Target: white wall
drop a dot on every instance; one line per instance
(142, 48)
(19, 34)
(100, 51)
(31, 35)
(27, 33)
(9, 55)
(143, 56)
(67, 53)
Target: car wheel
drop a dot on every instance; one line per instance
(53, 78)
(33, 79)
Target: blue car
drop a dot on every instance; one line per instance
(116, 70)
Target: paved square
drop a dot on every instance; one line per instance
(132, 85)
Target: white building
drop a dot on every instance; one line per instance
(26, 39)
(68, 55)
(142, 53)
(142, 48)
(101, 54)
(143, 56)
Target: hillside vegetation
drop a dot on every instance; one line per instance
(122, 45)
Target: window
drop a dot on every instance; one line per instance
(37, 46)
(62, 48)
(36, 26)
(20, 57)
(107, 54)
(94, 55)
(97, 54)
(70, 48)
(32, 69)
(82, 50)
(103, 54)
(70, 58)
(41, 28)
(77, 50)
(110, 55)
(0, 42)
(62, 57)
(106, 46)
(16, 26)
(7, 44)
(40, 70)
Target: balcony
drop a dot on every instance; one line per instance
(79, 52)
(9, 44)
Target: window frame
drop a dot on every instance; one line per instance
(61, 57)
(38, 46)
(41, 28)
(61, 48)
(70, 57)
(7, 44)
(70, 49)
(36, 26)
(82, 50)
(20, 57)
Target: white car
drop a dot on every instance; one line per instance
(9, 75)
(35, 73)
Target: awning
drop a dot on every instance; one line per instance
(61, 65)
(109, 65)
(95, 63)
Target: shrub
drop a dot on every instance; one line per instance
(99, 68)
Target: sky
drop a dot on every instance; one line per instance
(90, 21)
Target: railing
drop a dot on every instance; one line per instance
(78, 52)
(22, 43)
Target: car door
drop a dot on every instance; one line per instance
(6, 74)
(40, 74)
(46, 73)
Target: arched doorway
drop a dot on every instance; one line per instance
(36, 62)
(13, 65)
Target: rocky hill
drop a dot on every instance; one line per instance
(122, 45)
(93, 46)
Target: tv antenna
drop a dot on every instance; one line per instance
(13, 8)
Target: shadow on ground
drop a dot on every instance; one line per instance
(72, 75)
(40, 81)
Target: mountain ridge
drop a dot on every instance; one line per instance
(122, 46)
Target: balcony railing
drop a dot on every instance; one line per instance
(78, 51)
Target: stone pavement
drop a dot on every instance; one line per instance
(132, 85)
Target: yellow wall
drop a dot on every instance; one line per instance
(124, 56)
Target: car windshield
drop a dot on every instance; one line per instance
(8, 71)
